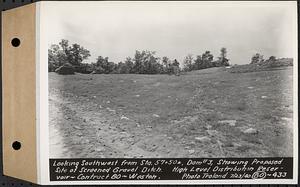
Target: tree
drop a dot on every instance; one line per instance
(146, 62)
(223, 61)
(175, 67)
(64, 44)
(198, 62)
(77, 54)
(207, 59)
(188, 63)
(175, 63)
(129, 64)
(138, 62)
(257, 58)
(122, 68)
(63, 53)
(166, 62)
(170, 67)
(104, 65)
(53, 61)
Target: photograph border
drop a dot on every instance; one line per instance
(42, 115)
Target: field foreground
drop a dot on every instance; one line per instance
(206, 113)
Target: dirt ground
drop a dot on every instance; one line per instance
(206, 113)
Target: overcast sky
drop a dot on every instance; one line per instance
(174, 29)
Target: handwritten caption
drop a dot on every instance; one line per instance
(171, 169)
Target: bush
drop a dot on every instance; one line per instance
(66, 69)
(98, 70)
(84, 68)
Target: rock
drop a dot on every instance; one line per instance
(137, 95)
(66, 69)
(155, 115)
(250, 87)
(203, 139)
(94, 96)
(107, 102)
(100, 106)
(77, 127)
(263, 97)
(250, 131)
(111, 110)
(124, 117)
(192, 151)
(99, 149)
(228, 122)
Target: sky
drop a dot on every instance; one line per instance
(117, 29)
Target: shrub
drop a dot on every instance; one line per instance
(66, 69)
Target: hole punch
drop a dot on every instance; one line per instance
(15, 42)
(16, 145)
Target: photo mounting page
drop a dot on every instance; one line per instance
(168, 92)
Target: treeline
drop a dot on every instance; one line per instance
(69, 58)
(206, 60)
(143, 62)
(272, 61)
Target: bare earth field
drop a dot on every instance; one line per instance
(206, 113)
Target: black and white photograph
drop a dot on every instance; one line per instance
(171, 79)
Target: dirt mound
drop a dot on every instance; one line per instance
(66, 69)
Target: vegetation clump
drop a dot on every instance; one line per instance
(258, 63)
(65, 69)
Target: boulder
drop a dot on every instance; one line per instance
(250, 131)
(66, 69)
(155, 115)
(124, 117)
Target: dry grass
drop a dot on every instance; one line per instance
(166, 113)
